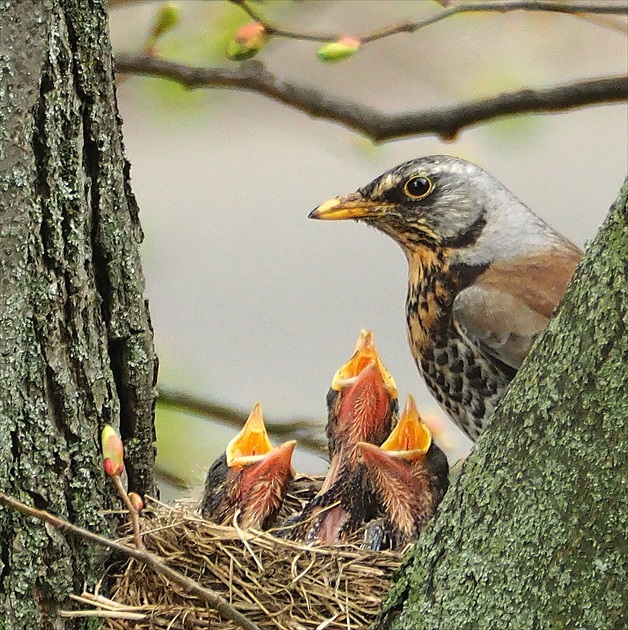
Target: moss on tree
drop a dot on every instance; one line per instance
(75, 337)
(535, 532)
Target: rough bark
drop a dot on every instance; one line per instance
(535, 532)
(76, 348)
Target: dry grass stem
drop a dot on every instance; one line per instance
(278, 584)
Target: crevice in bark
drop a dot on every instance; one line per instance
(134, 209)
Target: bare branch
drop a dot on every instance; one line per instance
(307, 432)
(501, 7)
(618, 25)
(226, 610)
(379, 126)
(494, 6)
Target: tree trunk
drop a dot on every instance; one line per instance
(535, 532)
(76, 345)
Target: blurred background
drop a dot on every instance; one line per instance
(252, 302)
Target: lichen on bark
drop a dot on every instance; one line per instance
(76, 348)
(534, 533)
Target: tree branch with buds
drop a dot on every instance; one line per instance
(459, 8)
(113, 464)
(379, 126)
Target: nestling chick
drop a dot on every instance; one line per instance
(250, 478)
(362, 406)
(408, 474)
(362, 400)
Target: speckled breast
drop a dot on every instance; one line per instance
(465, 384)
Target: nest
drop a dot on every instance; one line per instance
(276, 583)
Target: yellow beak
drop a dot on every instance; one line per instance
(410, 438)
(353, 206)
(252, 443)
(365, 354)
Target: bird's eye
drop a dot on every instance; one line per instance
(418, 187)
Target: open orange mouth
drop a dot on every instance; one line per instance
(410, 435)
(252, 443)
(365, 354)
(409, 440)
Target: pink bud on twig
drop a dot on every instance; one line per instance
(248, 41)
(112, 451)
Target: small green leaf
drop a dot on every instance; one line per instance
(168, 17)
(344, 48)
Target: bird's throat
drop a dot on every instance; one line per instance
(366, 409)
(431, 292)
(433, 284)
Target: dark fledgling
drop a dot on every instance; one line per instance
(250, 479)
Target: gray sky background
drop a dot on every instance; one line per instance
(251, 301)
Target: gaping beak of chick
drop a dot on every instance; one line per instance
(252, 443)
(408, 441)
(401, 480)
(353, 206)
(251, 478)
(364, 355)
(410, 438)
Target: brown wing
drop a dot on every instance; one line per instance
(510, 304)
(502, 325)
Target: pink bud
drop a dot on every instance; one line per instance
(136, 501)
(252, 34)
(111, 468)
(112, 450)
(247, 42)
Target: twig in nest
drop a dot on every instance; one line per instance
(225, 609)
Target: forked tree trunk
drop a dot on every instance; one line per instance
(76, 346)
(532, 535)
(535, 532)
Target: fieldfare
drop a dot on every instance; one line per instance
(485, 275)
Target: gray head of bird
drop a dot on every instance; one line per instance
(446, 203)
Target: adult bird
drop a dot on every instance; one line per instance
(485, 275)
(250, 479)
(409, 475)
